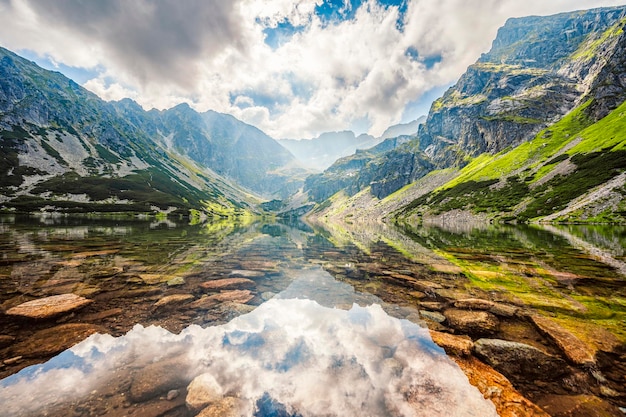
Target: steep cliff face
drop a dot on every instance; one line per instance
(539, 69)
(63, 148)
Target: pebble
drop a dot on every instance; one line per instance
(172, 394)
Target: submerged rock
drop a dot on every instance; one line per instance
(454, 345)
(243, 273)
(6, 340)
(472, 322)
(498, 309)
(578, 406)
(173, 300)
(176, 281)
(498, 389)
(235, 296)
(433, 316)
(157, 379)
(48, 307)
(226, 407)
(228, 284)
(54, 340)
(573, 348)
(203, 391)
(520, 361)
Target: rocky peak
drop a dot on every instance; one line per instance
(544, 41)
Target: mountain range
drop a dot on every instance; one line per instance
(533, 131)
(63, 148)
(321, 152)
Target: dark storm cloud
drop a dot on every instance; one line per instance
(154, 40)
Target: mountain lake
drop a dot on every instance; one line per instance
(158, 318)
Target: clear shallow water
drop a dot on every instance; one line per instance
(327, 327)
(314, 360)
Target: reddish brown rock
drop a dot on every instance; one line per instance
(204, 303)
(45, 308)
(498, 309)
(453, 345)
(573, 348)
(496, 388)
(173, 300)
(472, 322)
(55, 340)
(227, 407)
(578, 406)
(228, 284)
(235, 296)
(158, 378)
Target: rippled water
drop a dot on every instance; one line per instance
(321, 322)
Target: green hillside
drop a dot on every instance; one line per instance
(538, 178)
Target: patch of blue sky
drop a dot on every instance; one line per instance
(251, 98)
(428, 61)
(421, 106)
(273, 101)
(80, 75)
(335, 11)
(275, 37)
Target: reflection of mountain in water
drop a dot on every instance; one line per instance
(288, 357)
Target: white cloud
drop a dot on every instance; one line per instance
(213, 55)
(109, 92)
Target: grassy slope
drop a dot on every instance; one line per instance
(499, 184)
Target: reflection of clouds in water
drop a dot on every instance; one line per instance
(315, 360)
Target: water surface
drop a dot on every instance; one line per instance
(324, 321)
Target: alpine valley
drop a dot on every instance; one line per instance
(177, 263)
(533, 131)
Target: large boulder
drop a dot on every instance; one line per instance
(519, 361)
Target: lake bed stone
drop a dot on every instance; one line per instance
(472, 322)
(173, 300)
(572, 347)
(226, 407)
(227, 284)
(452, 344)
(203, 391)
(157, 379)
(48, 307)
(55, 339)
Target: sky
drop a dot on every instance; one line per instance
(293, 68)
